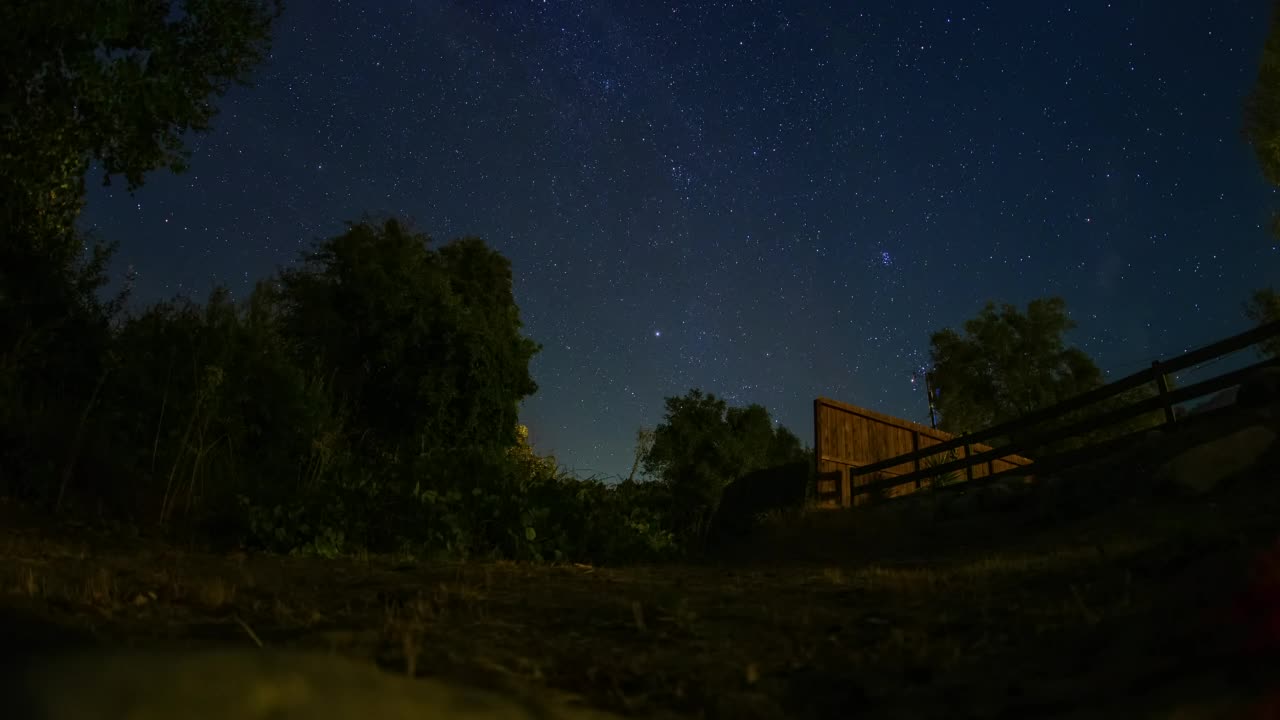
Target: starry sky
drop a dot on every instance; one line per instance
(770, 201)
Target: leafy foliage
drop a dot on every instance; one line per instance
(1006, 365)
(1262, 128)
(1262, 108)
(55, 354)
(118, 82)
(1009, 364)
(211, 398)
(702, 445)
(941, 479)
(424, 345)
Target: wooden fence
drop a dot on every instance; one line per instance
(856, 463)
(847, 437)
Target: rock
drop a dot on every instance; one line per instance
(777, 488)
(1260, 389)
(1202, 468)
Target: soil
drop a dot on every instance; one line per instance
(1127, 612)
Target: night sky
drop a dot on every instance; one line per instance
(770, 201)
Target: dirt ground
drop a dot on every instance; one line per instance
(840, 614)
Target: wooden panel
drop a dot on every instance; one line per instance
(847, 436)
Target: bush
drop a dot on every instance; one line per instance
(207, 406)
(745, 500)
(703, 445)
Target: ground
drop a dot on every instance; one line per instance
(1126, 612)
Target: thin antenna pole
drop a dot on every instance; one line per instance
(928, 388)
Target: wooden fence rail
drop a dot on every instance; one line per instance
(848, 436)
(851, 491)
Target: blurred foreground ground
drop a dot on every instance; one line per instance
(1149, 607)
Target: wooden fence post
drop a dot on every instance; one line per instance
(1162, 387)
(968, 469)
(846, 490)
(915, 447)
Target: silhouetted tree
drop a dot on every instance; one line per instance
(1262, 128)
(702, 445)
(1008, 364)
(119, 82)
(425, 346)
(205, 403)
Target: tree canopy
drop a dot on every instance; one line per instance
(1262, 128)
(1006, 365)
(1009, 364)
(119, 82)
(116, 82)
(702, 445)
(421, 343)
(1262, 108)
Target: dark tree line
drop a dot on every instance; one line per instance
(367, 396)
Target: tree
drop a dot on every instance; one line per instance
(1262, 129)
(1262, 107)
(702, 445)
(757, 441)
(1262, 308)
(1006, 365)
(1009, 364)
(120, 82)
(424, 345)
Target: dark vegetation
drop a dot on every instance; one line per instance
(363, 402)
(364, 398)
(1009, 364)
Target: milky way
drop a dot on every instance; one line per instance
(769, 201)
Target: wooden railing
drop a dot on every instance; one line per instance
(1020, 440)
